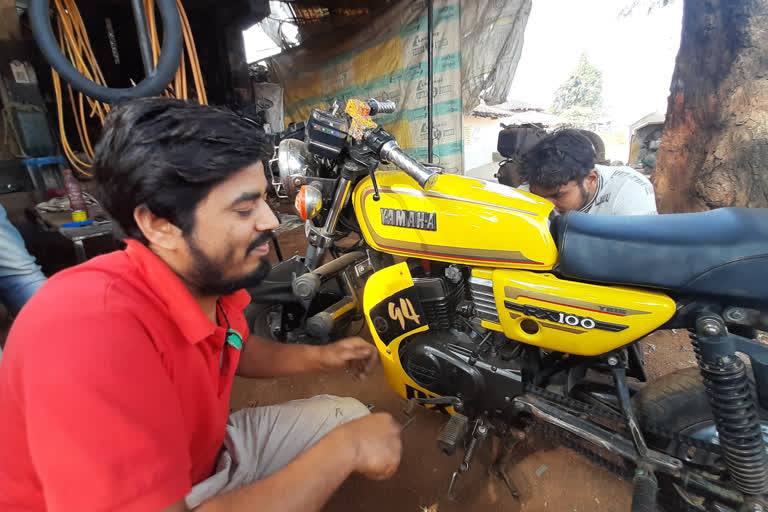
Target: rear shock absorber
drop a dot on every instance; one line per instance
(733, 407)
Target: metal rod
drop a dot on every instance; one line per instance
(142, 32)
(276, 245)
(596, 434)
(342, 194)
(315, 251)
(430, 78)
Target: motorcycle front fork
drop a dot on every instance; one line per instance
(735, 404)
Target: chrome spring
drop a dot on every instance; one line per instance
(738, 423)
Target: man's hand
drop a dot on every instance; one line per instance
(378, 444)
(354, 353)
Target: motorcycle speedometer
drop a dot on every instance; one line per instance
(326, 134)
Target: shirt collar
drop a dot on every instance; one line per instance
(182, 307)
(588, 206)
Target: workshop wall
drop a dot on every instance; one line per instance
(477, 45)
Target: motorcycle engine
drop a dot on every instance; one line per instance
(448, 359)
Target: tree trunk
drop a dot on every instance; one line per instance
(714, 152)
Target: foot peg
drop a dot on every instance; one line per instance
(645, 489)
(452, 433)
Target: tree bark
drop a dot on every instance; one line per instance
(714, 151)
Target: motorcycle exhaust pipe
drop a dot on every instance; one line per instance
(324, 323)
(307, 285)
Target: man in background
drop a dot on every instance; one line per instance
(20, 276)
(561, 168)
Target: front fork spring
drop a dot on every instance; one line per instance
(736, 417)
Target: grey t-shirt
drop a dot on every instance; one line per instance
(620, 191)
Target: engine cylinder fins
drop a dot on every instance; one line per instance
(738, 423)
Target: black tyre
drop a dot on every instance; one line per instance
(168, 63)
(260, 321)
(678, 402)
(259, 318)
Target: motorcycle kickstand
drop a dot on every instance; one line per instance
(508, 443)
(479, 433)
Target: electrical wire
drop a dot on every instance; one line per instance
(76, 45)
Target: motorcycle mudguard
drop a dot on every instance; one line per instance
(393, 312)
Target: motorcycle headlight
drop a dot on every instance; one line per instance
(292, 164)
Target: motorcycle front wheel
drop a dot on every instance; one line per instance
(678, 403)
(283, 323)
(260, 319)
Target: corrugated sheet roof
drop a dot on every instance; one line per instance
(505, 109)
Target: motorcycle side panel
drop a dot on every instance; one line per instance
(392, 312)
(460, 220)
(572, 317)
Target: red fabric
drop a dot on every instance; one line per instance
(114, 394)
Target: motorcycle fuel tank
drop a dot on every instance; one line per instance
(567, 316)
(459, 220)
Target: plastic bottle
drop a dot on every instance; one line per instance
(75, 194)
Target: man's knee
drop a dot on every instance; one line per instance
(352, 409)
(339, 409)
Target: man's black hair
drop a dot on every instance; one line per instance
(559, 158)
(168, 154)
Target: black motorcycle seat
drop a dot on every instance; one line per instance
(720, 253)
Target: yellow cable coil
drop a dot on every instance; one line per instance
(76, 45)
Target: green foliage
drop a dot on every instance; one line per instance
(581, 96)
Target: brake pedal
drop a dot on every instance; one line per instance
(452, 433)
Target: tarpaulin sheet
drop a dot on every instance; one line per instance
(388, 61)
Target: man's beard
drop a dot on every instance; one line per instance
(209, 280)
(584, 196)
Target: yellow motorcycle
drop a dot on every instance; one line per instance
(486, 306)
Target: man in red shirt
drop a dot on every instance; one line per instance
(116, 379)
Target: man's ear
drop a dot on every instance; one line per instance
(592, 177)
(159, 231)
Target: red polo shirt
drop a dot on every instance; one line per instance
(114, 389)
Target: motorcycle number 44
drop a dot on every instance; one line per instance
(403, 311)
(398, 314)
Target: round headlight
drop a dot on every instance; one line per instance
(293, 163)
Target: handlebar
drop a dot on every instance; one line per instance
(392, 152)
(386, 147)
(381, 107)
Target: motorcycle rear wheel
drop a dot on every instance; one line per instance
(678, 402)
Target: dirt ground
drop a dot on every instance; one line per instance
(548, 477)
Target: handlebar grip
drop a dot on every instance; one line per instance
(381, 107)
(392, 152)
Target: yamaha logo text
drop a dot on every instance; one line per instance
(410, 219)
